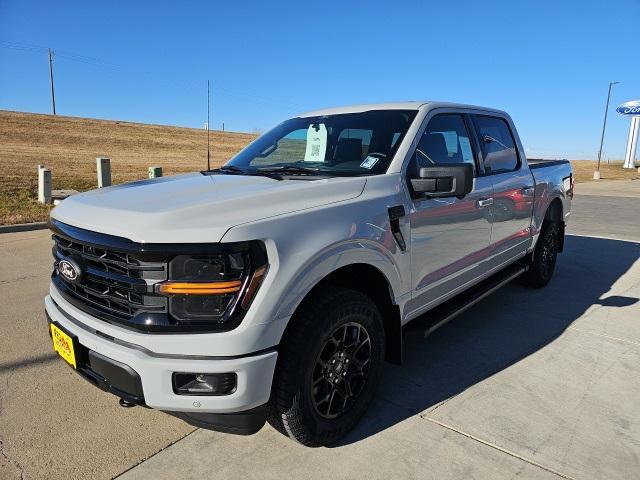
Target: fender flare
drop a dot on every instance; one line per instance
(327, 261)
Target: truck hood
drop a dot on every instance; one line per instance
(195, 208)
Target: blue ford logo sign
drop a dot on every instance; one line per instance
(629, 108)
(69, 270)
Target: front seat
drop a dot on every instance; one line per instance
(348, 150)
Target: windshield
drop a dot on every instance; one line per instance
(346, 145)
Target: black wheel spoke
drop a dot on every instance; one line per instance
(332, 396)
(547, 255)
(360, 364)
(317, 381)
(366, 342)
(341, 370)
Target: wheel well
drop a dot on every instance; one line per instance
(554, 211)
(554, 214)
(371, 282)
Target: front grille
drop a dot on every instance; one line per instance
(117, 284)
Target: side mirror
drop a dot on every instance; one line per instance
(444, 181)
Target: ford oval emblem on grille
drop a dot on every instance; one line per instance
(69, 270)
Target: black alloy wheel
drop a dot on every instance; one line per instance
(329, 365)
(341, 370)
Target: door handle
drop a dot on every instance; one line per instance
(485, 202)
(528, 191)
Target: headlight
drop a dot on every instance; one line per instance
(216, 288)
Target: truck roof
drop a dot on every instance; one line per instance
(407, 105)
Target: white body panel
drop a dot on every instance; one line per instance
(194, 208)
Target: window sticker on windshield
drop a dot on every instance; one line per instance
(369, 162)
(316, 143)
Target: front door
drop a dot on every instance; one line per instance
(450, 237)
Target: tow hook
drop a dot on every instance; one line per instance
(126, 404)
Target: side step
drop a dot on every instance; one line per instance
(440, 315)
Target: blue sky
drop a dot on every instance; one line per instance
(548, 63)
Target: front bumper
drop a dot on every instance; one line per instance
(241, 411)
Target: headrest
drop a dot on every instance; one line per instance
(348, 149)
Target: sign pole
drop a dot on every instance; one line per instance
(596, 174)
(632, 143)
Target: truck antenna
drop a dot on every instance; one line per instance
(208, 108)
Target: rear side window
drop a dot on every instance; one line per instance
(498, 146)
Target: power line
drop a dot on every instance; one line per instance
(96, 62)
(22, 46)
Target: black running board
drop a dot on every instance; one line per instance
(443, 313)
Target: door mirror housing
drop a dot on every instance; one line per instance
(444, 181)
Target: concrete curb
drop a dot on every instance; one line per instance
(23, 227)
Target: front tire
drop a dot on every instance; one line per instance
(328, 369)
(544, 257)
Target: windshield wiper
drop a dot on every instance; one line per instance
(272, 172)
(289, 170)
(231, 169)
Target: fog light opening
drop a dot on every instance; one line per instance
(204, 383)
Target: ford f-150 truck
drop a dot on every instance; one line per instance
(275, 287)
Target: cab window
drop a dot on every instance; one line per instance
(498, 146)
(445, 141)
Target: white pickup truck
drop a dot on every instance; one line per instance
(274, 288)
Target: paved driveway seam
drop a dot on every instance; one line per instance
(496, 447)
(151, 456)
(604, 335)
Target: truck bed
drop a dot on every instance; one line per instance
(540, 163)
(553, 179)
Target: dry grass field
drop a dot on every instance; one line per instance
(583, 170)
(70, 145)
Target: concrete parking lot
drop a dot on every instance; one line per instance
(529, 383)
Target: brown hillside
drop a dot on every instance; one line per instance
(69, 146)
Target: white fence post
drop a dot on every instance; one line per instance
(155, 172)
(103, 165)
(44, 184)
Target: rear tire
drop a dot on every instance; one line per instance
(545, 256)
(328, 369)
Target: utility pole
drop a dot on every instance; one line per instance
(208, 108)
(53, 95)
(596, 174)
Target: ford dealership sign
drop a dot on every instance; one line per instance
(629, 108)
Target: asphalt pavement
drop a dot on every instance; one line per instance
(529, 383)
(54, 424)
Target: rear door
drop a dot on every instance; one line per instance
(449, 236)
(513, 188)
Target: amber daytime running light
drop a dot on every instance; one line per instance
(199, 288)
